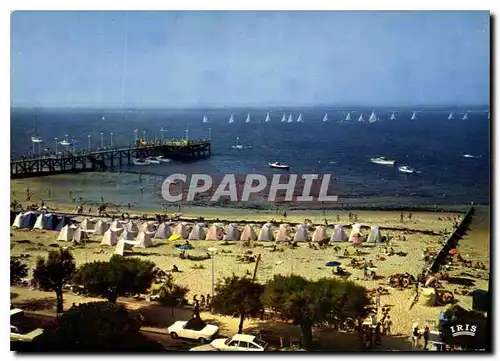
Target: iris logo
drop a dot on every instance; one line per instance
(463, 330)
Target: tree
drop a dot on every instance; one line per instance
(238, 297)
(18, 271)
(94, 327)
(307, 302)
(54, 272)
(171, 294)
(118, 277)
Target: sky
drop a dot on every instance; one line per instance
(197, 59)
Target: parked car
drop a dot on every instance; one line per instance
(204, 348)
(195, 329)
(21, 328)
(240, 342)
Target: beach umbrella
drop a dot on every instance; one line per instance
(174, 237)
(186, 247)
(333, 264)
(452, 251)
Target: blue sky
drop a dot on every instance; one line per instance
(184, 59)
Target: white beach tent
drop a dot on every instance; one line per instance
(182, 230)
(197, 233)
(266, 233)
(147, 227)
(338, 234)
(127, 236)
(374, 236)
(248, 234)
(87, 224)
(319, 234)
(143, 240)
(66, 234)
(233, 233)
(116, 226)
(131, 227)
(283, 234)
(301, 234)
(18, 221)
(100, 227)
(40, 222)
(215, 232)
(163, 231)
(109, 238)
(122, 246)
(79, 235)
(355, 236)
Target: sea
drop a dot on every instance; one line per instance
(431, 144)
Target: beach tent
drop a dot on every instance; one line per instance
(338, 234)
(127, 236)
(197, 233)
(87, 224)
(233, 233)
(147, 227)
(79, 235)
(28, 220)
(62, 221)
(283, 233)
(301, 234)
(109, 238)
(116, 226)
(13, 215)
(374, 236)
(163, 231)
(66, 234)
(182, 230)
(355, 236)
(100, 228)
(266, 233)
(427, 296)
(122, 246)
(18, 221)
(248, 234)
(319, 234)
(143, 240)
(131, 227)
(40, 222)
(50, 222)
(215, 233)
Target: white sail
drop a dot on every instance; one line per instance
(205, 119)
(373, 118)
(414, 116)
(325, 118)
(393, 117)
(268, 118)
(488, 115)
(283, 119)
(248, 119)
(360, 119)
(450, 117)
(465, 117)
(290, 119)
(231, 120)
(299, 119)
(348, 117)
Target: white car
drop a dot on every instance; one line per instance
(21, 329)
(194, 329)
(240, 342)
(203, 348)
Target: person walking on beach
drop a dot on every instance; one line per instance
(48, 192)
(387, 325)
(401, 216)
(409, 217)
(426, 336)
(284, 215)
(415, 335)
(377, 299)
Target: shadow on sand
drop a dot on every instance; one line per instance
(37, 304)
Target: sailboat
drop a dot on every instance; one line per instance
(290, 119)
(268, 118)
(373, 117)
(393, 117)
(325, 118)
(465, 117)
(414, 116)
(299, 119)
(348, 117)
(103, 118)
(451, 116)
(360, 119)
(248, 119)
(237, 146)
(205, 119)
(283, 119)
(231, 120)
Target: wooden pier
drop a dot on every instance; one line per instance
(101, 160)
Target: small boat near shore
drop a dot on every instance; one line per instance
(141, 161)
(383, 160)
(162, 159)
(406, 169)
(153, 160)
(279, 165)
(471, 156)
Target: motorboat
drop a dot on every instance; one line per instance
(279, 165)
(36, 139)
(406, 169)
(153, 160)
(162, 159)
(382, 160)
(141, 161)
(471, 156)
(65, 143)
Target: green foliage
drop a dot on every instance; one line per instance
(51, 274)
(97, 326)
(236, 296)
(307, 302)
(119, 277)
(18, 271)
(171, 294)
